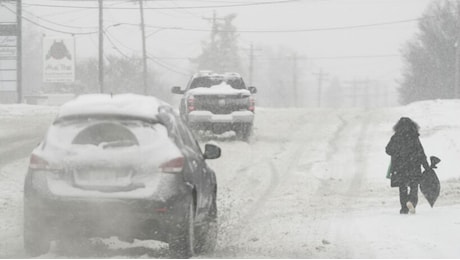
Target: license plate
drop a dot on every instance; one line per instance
(103, 177)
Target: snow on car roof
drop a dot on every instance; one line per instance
(106, 104)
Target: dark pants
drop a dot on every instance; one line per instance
(405, 195)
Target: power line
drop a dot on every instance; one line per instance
(115, 46)
(73, 11)
(156, 61)
(354, 57)
(59, 24)
(289, 30)
(307, 58)
(204, 1)
(297, 30)
(46, 27)
(159, 8)
(239, 31)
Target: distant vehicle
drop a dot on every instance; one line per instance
(123, 165)
(218, 102)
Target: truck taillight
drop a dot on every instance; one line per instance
(191, 103)
(36, 162)
(173, 166)
(252, 104)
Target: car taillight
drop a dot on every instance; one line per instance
(173, 166)
(36, 162)
(252, 104)
(191, 103)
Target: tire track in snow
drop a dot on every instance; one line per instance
(337, 192)
(322, 202)
(286, 147)
(275, 180)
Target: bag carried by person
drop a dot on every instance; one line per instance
(395, 178)
(388, 176)
(429, 183)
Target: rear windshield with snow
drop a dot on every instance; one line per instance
(105, 133)
(207, 82)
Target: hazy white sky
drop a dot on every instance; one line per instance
(327, 49)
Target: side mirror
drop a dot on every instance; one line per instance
(211, 151)
(177, 90)
(253, 90)
(434, 161)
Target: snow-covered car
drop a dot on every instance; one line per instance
(218, 102)
(123, 165)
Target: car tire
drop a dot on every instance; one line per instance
(182, 245)
(73, 245)
(36, 239)
(206, 234)
(244, 132)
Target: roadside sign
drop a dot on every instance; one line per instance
(58, 59)
(8, 56)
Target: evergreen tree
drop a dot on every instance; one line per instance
(221, 53)
(430, 56)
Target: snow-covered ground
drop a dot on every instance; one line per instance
(310, 184)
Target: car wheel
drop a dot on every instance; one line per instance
(245, 131)
(36, 239)
(206, 234)
(181, 245)
(73, 245)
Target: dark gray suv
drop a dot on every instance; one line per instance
(122, 165)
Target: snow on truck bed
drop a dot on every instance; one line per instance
(221, 89)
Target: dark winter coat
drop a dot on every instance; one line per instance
(407, 155)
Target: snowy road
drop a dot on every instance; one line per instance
(309, 185)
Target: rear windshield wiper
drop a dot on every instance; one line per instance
(118, 143)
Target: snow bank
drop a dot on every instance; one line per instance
(439, 130)
(19, 110)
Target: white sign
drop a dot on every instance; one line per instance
(8, 53)
(7, 41)
(7, 85)
(58, 59)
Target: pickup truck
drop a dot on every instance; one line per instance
(218, 103)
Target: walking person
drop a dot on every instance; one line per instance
(407, 157)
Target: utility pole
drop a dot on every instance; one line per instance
(216, 64)
(19, 49)
(251, 63)
(366, 93)
(354, 90)
(252, 51)
(294, 79)
(358, 84)
(213, 20)
(321, 76)
(101, 47)
(457, 68)
(144, 50)
(457, 59)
